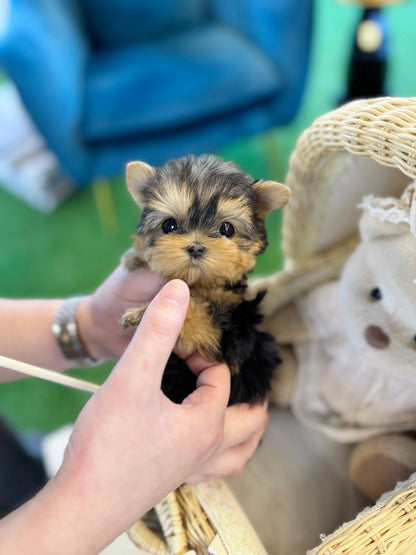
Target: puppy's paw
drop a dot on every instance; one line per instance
(132, 317)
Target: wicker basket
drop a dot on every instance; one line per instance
(363, 147)
(204, 519)
(388, 527)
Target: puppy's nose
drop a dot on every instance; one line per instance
(196, 250)
(376, 337)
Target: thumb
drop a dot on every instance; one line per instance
(155, 338)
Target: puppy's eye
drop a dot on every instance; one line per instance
(226, 229)
(170, 225)
(376, 294)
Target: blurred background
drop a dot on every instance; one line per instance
(89, 85)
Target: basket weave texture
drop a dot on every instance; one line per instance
(388, 527)
(205, 518)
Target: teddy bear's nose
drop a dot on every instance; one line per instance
(376, 337)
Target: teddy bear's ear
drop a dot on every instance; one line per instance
(372, 227)
(137, 174)
(269, 195)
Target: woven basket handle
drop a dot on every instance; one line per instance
(381, 129)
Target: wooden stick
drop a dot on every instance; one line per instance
(49, 375)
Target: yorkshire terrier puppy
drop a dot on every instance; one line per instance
(203, 221)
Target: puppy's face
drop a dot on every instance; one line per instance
(202, 218)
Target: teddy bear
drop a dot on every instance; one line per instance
(349, 348)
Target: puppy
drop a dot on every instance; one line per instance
(202, 221)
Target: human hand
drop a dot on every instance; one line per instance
(98, 316)
(244, 426)
(131, 445)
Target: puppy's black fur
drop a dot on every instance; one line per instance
(255, 352)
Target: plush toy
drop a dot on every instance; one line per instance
(353, 347)
(203, 221)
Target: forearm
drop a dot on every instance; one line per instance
(25, 334)
(25, 325)
(62, 518)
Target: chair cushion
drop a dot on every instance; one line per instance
(180, 79)
(120, 22)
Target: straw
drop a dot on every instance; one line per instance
(48, 375)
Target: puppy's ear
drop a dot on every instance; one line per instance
(269, 195)
(137, 174)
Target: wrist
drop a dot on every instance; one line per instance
(90, 332)
(66, 331)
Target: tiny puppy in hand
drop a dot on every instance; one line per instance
(203, 221)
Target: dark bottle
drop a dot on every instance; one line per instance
(367, 67)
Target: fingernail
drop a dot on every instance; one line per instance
(176, 291)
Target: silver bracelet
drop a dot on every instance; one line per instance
(65, 329)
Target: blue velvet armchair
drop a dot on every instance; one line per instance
(108, 81)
